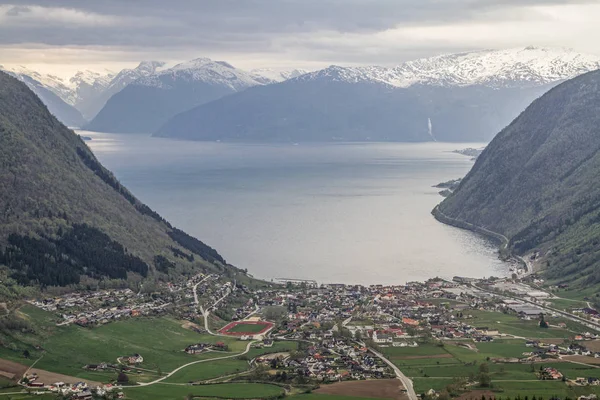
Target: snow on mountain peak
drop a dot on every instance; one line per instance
(337, 73)
(497, 68)
(270, 75)
(528, 66)
(202, 69)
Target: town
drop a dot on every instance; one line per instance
(434, 339)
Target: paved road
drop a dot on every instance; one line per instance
(403, 378)
(196, 288)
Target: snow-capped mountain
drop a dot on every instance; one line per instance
(201, 70)
(127, 76)
(105, 86)
(55, 84)
(520, 67)
(92, 79)
(270, 75)
(148, 102)
(336, 73)
(529, 66)
(459, 97)
(64, 112)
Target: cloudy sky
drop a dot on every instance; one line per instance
(61, 36)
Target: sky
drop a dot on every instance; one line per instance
(63, 36)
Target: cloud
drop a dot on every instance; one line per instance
(295, 32)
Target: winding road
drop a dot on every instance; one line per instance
(195, 362)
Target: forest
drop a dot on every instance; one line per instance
(60, 261)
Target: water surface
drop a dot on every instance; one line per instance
(351, 213)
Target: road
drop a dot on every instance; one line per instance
(484, 231)
(195, 362)
(403, 378)
(195, 289)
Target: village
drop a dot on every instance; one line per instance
(328, 333)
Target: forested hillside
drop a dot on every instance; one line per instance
(64, 217)
(537, 183)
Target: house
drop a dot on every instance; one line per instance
(268, 342)
(134, 359)
(381, 337)
(84, 395)
(196, 348)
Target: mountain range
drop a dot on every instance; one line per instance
(456, 97)
(536, 183)
(149, 102)
(65, 219)
(460, 97)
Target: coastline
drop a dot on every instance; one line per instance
(502, 240)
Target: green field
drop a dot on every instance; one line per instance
(512, 325)
(421, 350)
(159, 340)
(161, 391)
(208, 370)
(250, 328)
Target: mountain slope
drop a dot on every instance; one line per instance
(63, 216)
(268, 75)
(146, 104)
(65, 113)
(466, 97)
(87, 88)
(537, 182)
(91, 102)
(314, 111)
(348, 104)
(519, 67)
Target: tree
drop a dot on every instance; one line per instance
(26, 354)
(122, 378)
(543, 323)
(484, 376)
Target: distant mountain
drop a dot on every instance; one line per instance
(87, 88)
(461, 97)
(537, 183)
(306, 109)
(92, 102)
(55, 84)
(147, 103)
(345, 104)
(46, 91)
(65, 219)
(512, 68)
(268, 75)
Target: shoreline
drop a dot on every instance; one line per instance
(495, 236)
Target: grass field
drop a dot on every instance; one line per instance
(208, 370)
(159, 340)
(512, 325)
(225, 390)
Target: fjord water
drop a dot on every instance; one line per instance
(348, 213)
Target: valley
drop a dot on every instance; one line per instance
(453, 337)
(292, 241)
